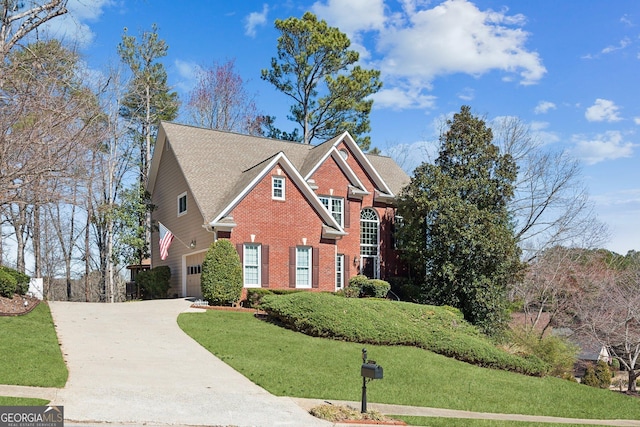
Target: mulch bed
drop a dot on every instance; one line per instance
(18, 305)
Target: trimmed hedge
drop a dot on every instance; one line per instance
(361, 286)
(154, 283)
(18, 284)
(442, 330)
(255, 295)
(221, 279)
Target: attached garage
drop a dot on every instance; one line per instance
(193, 270)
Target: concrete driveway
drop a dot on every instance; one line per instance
(130, 363)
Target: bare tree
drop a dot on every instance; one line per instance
(114, 164)
(551, 206)
(19, 18)
(220, 101)
(609, 313)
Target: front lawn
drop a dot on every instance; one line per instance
(22, 401)
(29, 350)
(288, 363)
(467, 422)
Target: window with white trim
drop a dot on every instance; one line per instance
(369, 226)
(277, 188)
(182, 204)
(335, 206)
(303, 267)
(251, 265)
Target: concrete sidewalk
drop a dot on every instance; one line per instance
(386, 409)
(130, 363)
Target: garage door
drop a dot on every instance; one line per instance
(194, 269)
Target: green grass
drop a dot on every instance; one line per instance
(21, 401)
(288, 363)
(29, 350)
(465, 422)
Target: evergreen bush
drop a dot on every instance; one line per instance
(361, 286)
(22, 280)
(154, 283)
(355, 286)
(598, 376)
(375, 288)
(603, 374)
(221, 279)
(7, 284)
(590, 378)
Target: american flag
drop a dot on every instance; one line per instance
(166, 237)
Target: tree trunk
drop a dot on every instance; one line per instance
(37, 240)
(633, 376)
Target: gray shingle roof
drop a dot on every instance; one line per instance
(219, 165)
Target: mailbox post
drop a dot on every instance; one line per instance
(371, 371)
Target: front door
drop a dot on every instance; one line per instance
(369, 243)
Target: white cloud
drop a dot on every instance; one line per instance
(351, 16)
(399, 99)
(187, 71)
(607, 146)
(636, 120)
(623, 43)
(467, 94)
(543, 107)
(422, 42)
(457, 37)
(603, 110)
(254, 20)
(71, 27)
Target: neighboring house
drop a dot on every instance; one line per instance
(300, 216)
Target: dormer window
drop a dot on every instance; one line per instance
(344, 153)
(277, 188)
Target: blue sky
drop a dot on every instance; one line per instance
(567, 69)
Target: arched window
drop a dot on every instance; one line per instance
(369, 242)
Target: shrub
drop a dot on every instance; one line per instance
(590, 377)
(603, 374)
(597, 376)
(355, 286)
(22, 280)
(221, 278)
(154, 283)
(255, 295)
(361, 286)
(615, 366)
(7, 284)
(375, 288)
(559, 353)
(442, 330)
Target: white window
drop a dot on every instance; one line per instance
(339, 271)
(335, 206)
(303, 267)
(251, 265)
(369, 226)
(182, 204)
(277, 188)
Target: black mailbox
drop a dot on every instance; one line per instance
(371, 370)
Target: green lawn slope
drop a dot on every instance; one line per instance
(289, 363)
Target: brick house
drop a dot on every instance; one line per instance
(300, 216)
